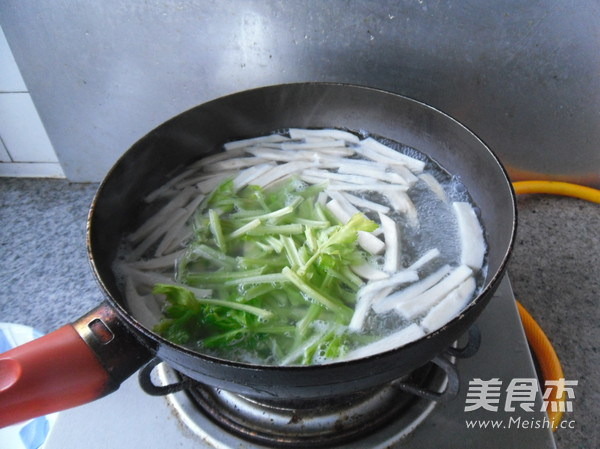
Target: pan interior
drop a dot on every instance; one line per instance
(202, 131)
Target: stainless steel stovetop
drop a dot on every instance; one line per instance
(131, 418)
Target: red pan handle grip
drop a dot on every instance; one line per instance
(73, 365)
(54, 372)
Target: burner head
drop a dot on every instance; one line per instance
(326, 422)
(382, 415)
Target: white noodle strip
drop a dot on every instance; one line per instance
(176, 227)
(340, 197)
(406, 294)
(157, 262)
(348, 207)
(210, 184)
(366, 204)
(374, 287)
(342, 186)
(314, 145)
(425, 258)
(324, 174)
(373, 147)
(370, 243)
(450, 306)
(334, 134)
(254, 141)
(167, 186)
(247, 176)
(401, 202)
(184, 235)
(143, 246)
(192, 181)
(362, 308)
(392, 341)
(434, 186)
(217, 157)
(322, 198)
(160, 216)
(405, 173)
(375, 171)
(369, 272)
(235, 163)
(423, 302)
(366, 240)
(150, 279)
(280, 171)
(143, 308)
(392, 243)
(281, 155)
(471, 235)
(329, 154)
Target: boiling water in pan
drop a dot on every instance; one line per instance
(431, 224)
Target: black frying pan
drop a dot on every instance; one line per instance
(91, 357)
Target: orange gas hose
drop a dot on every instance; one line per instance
(540, 344)
(549, 363)
(558, 188)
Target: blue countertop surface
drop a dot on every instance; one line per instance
(46, 280)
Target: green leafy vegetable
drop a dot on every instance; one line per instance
(278, 267)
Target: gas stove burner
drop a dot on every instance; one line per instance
(379, 416)
(376, 418)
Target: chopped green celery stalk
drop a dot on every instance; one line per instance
(207, 253)
(313, 190)
(259, 279)
(272, 329)
(314, 294)
(321, 215)
(256, 291)
(221, 276)
(299, 350)
(244, 229)
(335, 348)
(274, 243)
(309, 353)
(274, 261)
(293, 296)
(216, 230)
(313, 312)
(353, 278)
(345, 235)
(291, 251)
(277, 229)
(219, 339)
(304, 254)
(189, 296)
(247, 214)
(311, 241)
(270, 215)
(318, 224)
(343, 278)
(266, 248)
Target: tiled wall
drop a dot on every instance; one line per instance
(25, 150)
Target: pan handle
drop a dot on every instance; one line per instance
(76, 364)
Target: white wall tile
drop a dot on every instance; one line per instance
(10, 76)
(22, 131)
(4, 156)
(31, 170)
